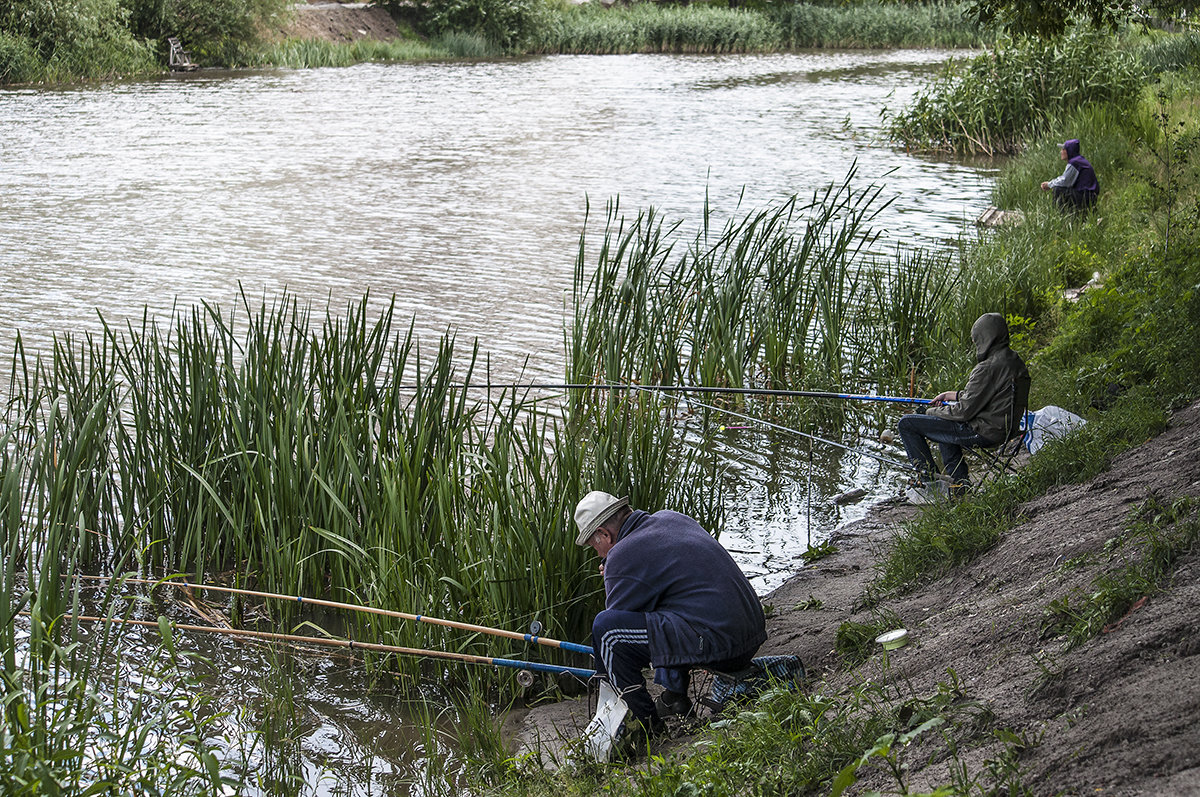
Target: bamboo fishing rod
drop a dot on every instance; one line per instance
(742, 391)
(420, 618)
(272, 636)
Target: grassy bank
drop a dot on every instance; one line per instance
(1124, 356)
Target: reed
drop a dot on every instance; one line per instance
(311, 53)
(879, 24)
(993, 103)
(654, 28)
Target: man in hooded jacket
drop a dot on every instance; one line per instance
(673, 596)
(981, 415)
(1077, 187)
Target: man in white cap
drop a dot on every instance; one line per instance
(673, 596)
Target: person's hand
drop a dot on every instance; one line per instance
(1045, 186)
(943, 397)
(601, 568)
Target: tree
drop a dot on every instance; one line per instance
(1051, 18)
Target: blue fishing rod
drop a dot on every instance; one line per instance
(740, 391)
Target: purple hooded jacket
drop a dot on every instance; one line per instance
(1086, 179)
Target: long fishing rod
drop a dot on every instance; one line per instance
(420, 618)
(742, 391)
(843, 446)
(272, 636)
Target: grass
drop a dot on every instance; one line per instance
(1142, 561)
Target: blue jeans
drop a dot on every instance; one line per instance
(621, 645)
(951, 436)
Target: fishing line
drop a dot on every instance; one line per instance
(772, 425)
(740, 391)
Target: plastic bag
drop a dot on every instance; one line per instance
(1049, 423)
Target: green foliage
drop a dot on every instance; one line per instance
(506, 23)
(215, 31)
(997, 101)
(309, 53)
(43, 40)
(653, 27)
(855, 641)
(1050, 20)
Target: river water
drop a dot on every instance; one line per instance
(461, 190)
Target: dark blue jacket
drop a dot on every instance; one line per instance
(1086, 180)
(699, 607)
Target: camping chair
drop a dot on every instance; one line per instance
(992, 462)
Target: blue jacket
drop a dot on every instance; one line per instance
(699, 607)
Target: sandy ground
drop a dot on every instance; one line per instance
(1117, 715)
(337, 22)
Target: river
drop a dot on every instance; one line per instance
(461, 190)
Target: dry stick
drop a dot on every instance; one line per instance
(420, 618)
(349, 643)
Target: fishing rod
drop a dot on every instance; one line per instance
(843, 446)
(742, 391)
(272, 636)
(420, 618)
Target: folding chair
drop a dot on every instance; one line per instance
(995, 461)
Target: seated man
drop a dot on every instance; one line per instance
(673, 597)
(980, 415)
(1077, 187)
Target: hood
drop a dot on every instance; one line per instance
(989, 334)
(1072, 147)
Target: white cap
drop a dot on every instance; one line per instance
(595, 508)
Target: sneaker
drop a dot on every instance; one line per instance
(673, 704)
(636, 734)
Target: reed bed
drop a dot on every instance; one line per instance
(877, 24)
(995, 102)
(653, 28)
(323, 455)
(311, 53)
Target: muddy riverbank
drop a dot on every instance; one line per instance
(1114, 715)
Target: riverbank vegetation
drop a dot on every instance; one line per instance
(104, 39)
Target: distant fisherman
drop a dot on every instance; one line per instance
(983, 414)
(673, 597)
(1077, 187)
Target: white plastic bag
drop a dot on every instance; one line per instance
(1050, 423)
(601, 734)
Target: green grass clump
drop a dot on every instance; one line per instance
(1159, 537)
(311, 53)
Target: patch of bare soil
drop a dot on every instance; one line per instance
(1117, 715)
(337, 22)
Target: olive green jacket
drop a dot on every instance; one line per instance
(986, 403)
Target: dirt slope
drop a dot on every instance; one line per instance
(1117, 715)
(337, 22)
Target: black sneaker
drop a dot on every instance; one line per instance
(636, 735)
(673, 704)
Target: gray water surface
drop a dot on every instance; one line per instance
(460, 188)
